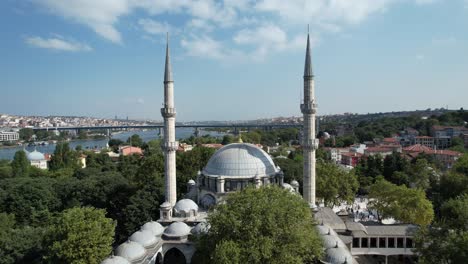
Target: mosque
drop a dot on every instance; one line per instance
(232, 168)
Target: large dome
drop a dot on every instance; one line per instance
(241, 160)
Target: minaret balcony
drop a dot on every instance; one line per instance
(168, 112)
(311, 144)
(309, 108)
(170, 146)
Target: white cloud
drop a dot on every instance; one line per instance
(200, 24)
(154, 27)
(268, 39)
(98, 15)
(246, 17)
(203, 46)
(57, 43)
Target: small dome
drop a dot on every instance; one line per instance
(191, 182)
(177, 229)
(156, 228)
(338, 256)
(240, 160)
(201, 228)
(145, 238)
(130, 250)
(294, 183)
(115, 260)
(288, 187)
(323, 229)
(329, 241)
(35, 155)
(166, 205)
(186, 206)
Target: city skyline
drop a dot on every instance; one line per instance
(369, 56)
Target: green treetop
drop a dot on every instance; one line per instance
(81, 236)
(20, 164)
(402, 203)
(266, 225)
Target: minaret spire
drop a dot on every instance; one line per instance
(308, 60)
(309, 142)
(169, 145)
(167, 69)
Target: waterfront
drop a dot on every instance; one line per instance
(146, 135)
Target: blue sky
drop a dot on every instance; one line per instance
(232, 59)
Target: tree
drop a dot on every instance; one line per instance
(455, 213)
(20, 244)
(461, 166)
(447, 240)
(26, 133)
(265, 225)
(402, 203)
(81, 235)
(393, 163)
(63, 157)
(153, 147)
(135, 140)
(114, 144)
(335, 185)
(227, 139)
(30, 199)
(441, 246)
(20, 164)
(419, 174)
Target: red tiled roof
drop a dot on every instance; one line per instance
(378, 149)
(417, 148)
(351, 154)
(390, 140)
(423, 149)
(423, 137)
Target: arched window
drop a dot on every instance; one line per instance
(174, 256)
(158, 259)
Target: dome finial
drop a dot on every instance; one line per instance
(239, 140)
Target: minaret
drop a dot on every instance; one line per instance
(169, 145)
(309, 142)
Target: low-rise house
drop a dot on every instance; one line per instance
(130, 150)
(381, 150)
(184, 147)
(351, 158)
(446, 157)
(212, 145)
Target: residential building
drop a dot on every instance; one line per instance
(6, 136)
(425, 141)
(351, 158)
(184, 147)
(382, 151)
(446, 157)
(130, 150)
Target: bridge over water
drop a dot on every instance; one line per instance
(197, 126)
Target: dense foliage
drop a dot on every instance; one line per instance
(446, 241)
(266, 225)
(401, 203)
(80, 236)
(129, 191)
